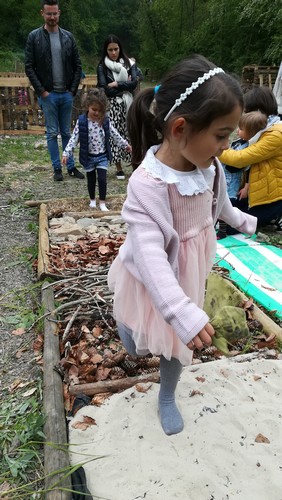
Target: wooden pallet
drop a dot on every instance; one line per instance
(19, 109)
(259, 75)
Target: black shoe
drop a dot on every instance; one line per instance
(120, 175)
(76, 173)
(278, 224)
(58, 176)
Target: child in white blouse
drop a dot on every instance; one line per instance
(93, 131)
(174, 198)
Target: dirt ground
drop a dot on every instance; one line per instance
(19, 289)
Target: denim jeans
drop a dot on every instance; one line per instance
(57, 109)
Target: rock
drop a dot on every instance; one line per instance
(68, 229)
(85, 222)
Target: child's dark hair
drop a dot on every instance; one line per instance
(252, 122)
(212, 99)
(95, 96)
(122, 54)
(261, 98)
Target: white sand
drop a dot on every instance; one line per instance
(214, 458)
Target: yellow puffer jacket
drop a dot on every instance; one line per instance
(265, 158)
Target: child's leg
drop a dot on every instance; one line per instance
(126, 339)
(102, 184)
(125, 335)
(91, 185)
(171, 420)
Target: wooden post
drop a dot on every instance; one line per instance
(43, 243)
(55, 448)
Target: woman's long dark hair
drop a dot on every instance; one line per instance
(122, 54)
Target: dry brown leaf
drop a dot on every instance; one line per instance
(18, 331)
(97, 331)
(256, 377)
(83, 358)
(102, 373)
(87, 422)
(73, 374)
(38, 344)
(99, 399)
(261, 439)
(200, 379)
(195, 393)
(70, 258)
(104, 249)
(270, 337)
(97, 358)
(142, 387)
(17, 384)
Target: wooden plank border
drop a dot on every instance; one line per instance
(56, 455)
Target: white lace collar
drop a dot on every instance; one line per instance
(187, 183)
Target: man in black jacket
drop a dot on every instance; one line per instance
(53, 66)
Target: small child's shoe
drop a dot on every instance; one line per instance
(92, 204)
(103, 207)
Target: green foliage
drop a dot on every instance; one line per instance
(21, 436)
(232, 33)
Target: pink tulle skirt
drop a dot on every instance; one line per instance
(133, 306)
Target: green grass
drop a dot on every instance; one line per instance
(21, 436)
(21, 149)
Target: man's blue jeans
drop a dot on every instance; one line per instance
(57, 109)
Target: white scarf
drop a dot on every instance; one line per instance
(120, 75)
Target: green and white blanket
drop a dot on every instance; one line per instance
(256, 268)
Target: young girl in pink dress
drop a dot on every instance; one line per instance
(174, 198)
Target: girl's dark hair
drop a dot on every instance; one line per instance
(95, 96)
(262, 99)
(214, 98)
(122, 54)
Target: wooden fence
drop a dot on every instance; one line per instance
(20, 113)
(19, 109)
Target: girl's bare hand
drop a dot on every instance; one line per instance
(203, 338)
(64, 160)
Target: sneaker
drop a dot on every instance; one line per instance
(103, 207)
(92, 204)
(76, 173)
(120, 175)
(58, 176)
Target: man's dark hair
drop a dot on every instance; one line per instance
(49, 2)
